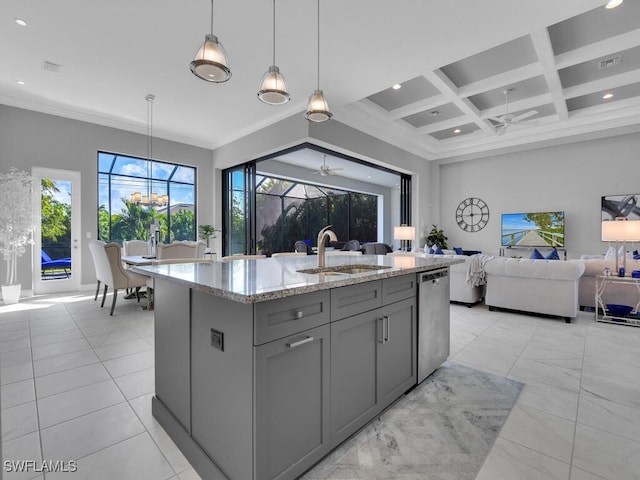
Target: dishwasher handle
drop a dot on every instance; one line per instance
(434, 275)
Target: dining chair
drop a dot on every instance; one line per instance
(288, 254)
(107, 259)
(231, 258)
(180, 249)
(135, 247)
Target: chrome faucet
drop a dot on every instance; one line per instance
(322, 238)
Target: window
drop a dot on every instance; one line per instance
(136, 193)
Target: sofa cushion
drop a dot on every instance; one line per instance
(458, 250)
(536, 255)
(552, 255)
(438, 251)
(528, 268)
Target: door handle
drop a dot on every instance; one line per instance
(299, 342)
(382, 336)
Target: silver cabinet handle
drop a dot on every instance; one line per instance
(386, 335)
(298, 314)
(381, 330)
(300, 342)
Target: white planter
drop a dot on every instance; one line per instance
(10, 294)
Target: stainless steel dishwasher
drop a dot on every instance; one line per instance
(433, 321)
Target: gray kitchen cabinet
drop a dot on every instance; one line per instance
(354, 369)
(373, 362)
(292, 403)
(397, 351)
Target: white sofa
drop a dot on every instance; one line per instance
(540, 286)
(460, 290)
(618, 293)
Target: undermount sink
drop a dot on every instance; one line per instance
(344, 269)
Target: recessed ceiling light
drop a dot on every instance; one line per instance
(613, 3)
(607, 96)
(20, 82)
(20, 22)
(434, 113)
(457, 130)
(397, 86)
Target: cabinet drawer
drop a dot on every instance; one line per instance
(354, 299)
(395, 289)
(286, 316)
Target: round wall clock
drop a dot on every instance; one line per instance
(472, 214)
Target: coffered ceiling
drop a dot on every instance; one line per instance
(96, 61)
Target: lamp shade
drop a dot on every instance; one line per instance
(211, 63)
(621, 230)
(404, 232)
(273, 88)
(318, 109)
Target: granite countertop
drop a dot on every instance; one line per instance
(252, 281)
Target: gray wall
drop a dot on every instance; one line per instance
(29, 139)
(569, 177)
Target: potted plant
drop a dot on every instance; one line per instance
(206, 232)
(436, 237)
(16, 226)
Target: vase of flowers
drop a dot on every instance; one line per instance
(16, 226)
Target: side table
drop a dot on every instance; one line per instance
(602, 312)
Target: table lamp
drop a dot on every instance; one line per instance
(621, 230)
(405, 234)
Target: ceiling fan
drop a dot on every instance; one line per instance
(326, 170)
(503, 121)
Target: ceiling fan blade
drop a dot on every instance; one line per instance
(337, 169)
(528, 114)
(496, 119)
(501, 129)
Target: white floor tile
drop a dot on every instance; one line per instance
(64, 362)
(17, 393)
(137, 458)
(70, 379)
(131, 363)
(176, 459)
(540, 431)
(142, 406)
(19, 420)
(61, 348)
(610, 456)
(139, 383)
(122, 349)
(74, 403)
(88, 434)
(26, 447)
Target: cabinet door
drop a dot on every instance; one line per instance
(292, 404)
(397, 354)
(354, 343)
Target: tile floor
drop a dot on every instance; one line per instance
(76, 384)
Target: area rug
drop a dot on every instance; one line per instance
(441, 430)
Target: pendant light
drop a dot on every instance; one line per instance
(273, 88)
(211, 62)
(318, 108)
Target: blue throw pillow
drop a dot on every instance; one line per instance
(431, 250)
(536, 255)
(438, 251)
(636, 257)
(553, 255)
(458, 250)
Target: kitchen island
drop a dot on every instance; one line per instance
(261, 369)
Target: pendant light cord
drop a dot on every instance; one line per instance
(274, 32)
(211, 17)
(149, 98)
(318, 88)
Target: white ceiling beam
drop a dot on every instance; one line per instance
(595, 50)
(594, 86)
(444, 125)
(449, 90)
(544, 50)
(524, 104)
(501, 80)
(419, 106)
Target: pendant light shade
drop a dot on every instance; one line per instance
(273, 88)
(211, 62)
(318, 108)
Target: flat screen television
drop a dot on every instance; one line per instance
(532, 229)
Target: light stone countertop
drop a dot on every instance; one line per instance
(252, 281)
